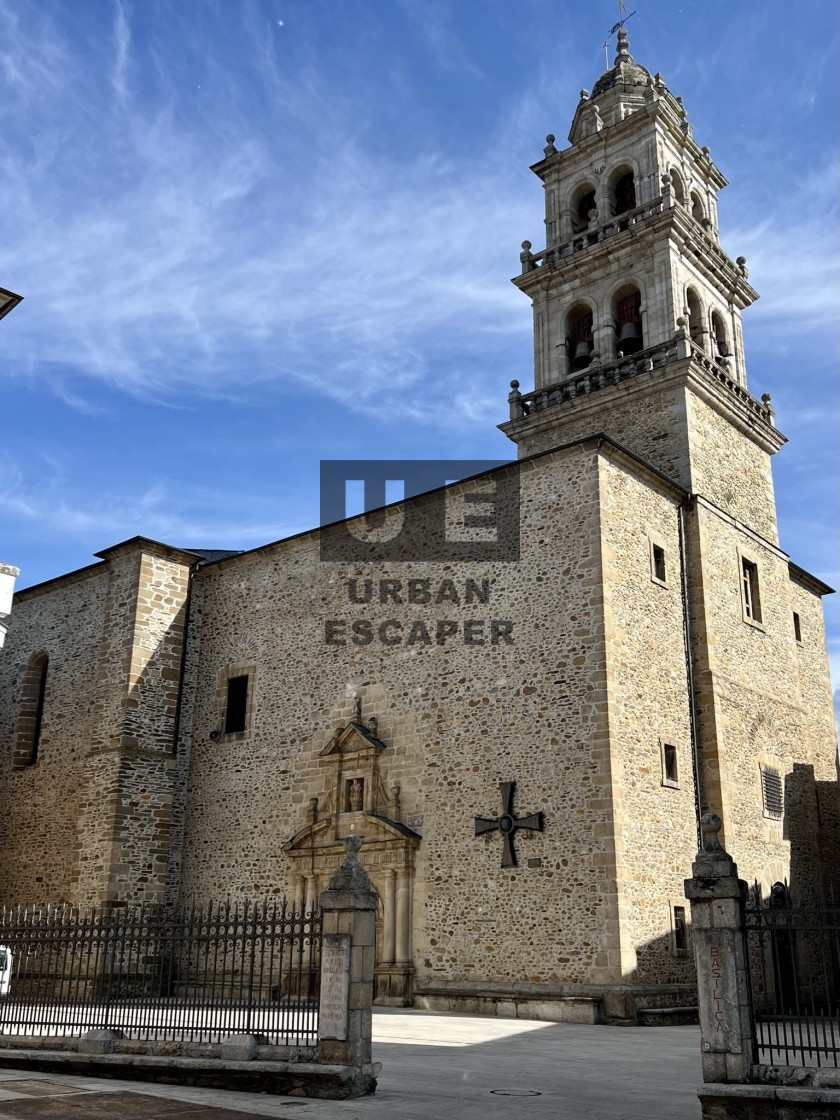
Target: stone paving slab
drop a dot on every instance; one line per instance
(440, 1066)
(114, 1106)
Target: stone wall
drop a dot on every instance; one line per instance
(40, 804)
(101, 788)
(655, 822)
(751, 705)
(731, 470)
(457, 719)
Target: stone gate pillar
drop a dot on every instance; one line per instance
(348, 962)
(717, 899)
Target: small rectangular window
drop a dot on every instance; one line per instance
(680, 930)
(237, 704)
(749, 586)
(657, 560)
(797, 627)
(670, 767)
(771, 789)
(670, 753)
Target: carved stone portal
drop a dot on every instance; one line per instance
(358, 801)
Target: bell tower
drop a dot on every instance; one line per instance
(637, 309)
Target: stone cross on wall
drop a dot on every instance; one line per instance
(507, 823)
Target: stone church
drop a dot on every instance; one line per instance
(524, 737)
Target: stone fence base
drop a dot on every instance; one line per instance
(284, 1078)
(768, 1102)
(664, 1005)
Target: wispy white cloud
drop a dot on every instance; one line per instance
(122, 43)
(186, 516)
(206, 237)
(159, 255)
(434, 21)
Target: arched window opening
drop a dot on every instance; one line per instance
(624, 194)
(579, 342)
(31, 717)
(697, 210)
(677, 188)
(719, 334)
(695, 317)
(628, 321)
(583, 203)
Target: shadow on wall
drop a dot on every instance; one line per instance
(812, 826)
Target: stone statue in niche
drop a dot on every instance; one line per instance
(355, 796)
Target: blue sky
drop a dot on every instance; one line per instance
(252, 234)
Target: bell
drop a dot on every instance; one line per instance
(583, 351)
(630, 338)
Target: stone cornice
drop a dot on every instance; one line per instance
(64, 580)
(156, 548)
(729, 400)
(661, 112)
(808, 581)
(674, 224)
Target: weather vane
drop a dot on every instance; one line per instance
(622, 19)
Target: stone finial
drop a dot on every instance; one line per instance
(515, 401)
(526, 257)
(549, 148)
(351, 876)
(584, 95)
(710, 826)
(666, 191)
(622, 47)
(769, 411)
(742, 264)
(373, 725)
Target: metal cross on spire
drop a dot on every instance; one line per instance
(622, 19)
(507, 823)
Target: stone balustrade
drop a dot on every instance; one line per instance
(600, 231)
(598, 376)
(596, 231)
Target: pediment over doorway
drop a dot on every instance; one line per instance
(356, 797)
(355, 736)
(375, 829)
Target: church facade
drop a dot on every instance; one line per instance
(524, 740)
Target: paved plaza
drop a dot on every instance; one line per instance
(434, 1067)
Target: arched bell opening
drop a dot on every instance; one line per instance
(677, 185)
(695, 318)
(627, 317)
(579, 338)
(698, 211)
(622, 191)
(722, 348)
(583, 203)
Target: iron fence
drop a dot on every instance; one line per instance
(196, 974)
(793, 953)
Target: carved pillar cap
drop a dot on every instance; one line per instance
(350, 887)
(714, 871)
(710, 826)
